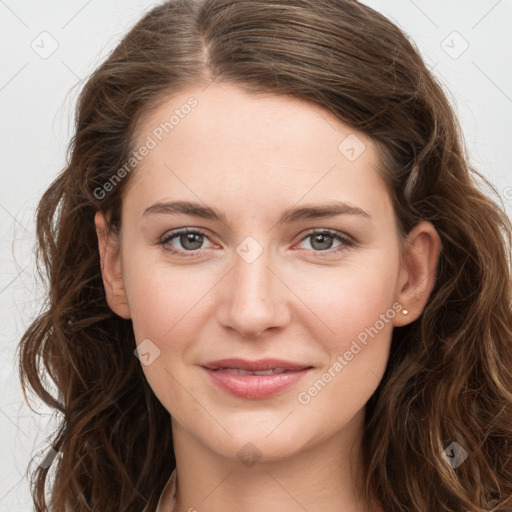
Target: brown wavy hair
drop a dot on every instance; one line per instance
(449, 376)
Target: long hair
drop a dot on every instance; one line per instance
(449, 377)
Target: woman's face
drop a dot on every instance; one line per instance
(292, 255)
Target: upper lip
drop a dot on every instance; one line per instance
(260, 364)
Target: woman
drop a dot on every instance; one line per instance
(257, 367)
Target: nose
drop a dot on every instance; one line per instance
(253, 298)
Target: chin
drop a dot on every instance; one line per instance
(265, 440)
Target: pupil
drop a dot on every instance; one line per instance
(191, 238)
(322, 239)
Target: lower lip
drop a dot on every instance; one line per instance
(255, 386)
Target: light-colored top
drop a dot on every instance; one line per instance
(170, 490)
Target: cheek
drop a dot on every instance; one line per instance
(349, 299)
(165, 306)
(356, 359)
(163, 298)
(357, 306)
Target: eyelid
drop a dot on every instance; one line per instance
(179, 231)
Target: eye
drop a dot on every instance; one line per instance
(322, 240)
(190, 239)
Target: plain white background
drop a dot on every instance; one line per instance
(50, 48)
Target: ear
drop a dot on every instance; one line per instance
(418, 273)
(110, 260)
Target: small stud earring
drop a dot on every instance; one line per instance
(405, 312)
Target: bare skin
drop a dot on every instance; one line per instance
(304, 298)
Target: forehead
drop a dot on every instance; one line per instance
(261, 146)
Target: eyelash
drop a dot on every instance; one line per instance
(346, 242)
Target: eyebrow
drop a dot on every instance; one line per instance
(290, 215)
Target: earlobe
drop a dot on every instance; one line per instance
(110, 262)
(418, 275)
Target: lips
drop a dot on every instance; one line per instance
(259, 365)
(255, 379)
(239, 371)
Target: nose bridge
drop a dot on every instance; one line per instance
(254, 300)
(252, 279)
